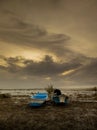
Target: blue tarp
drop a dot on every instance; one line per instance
(41, 96)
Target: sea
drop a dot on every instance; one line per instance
(28, 92)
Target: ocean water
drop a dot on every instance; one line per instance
(15, 92)
(29, 92)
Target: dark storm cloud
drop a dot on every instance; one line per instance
(29, 35)
(83, 74)
(21, 33)
(86, 74)
(11, 63)
(15, 29)
(12, 60)
(46, 67)
(23, 23)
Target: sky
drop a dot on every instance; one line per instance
(46, 42)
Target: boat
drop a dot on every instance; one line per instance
(38, 99)
(60, 99)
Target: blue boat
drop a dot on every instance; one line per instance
(38, 99)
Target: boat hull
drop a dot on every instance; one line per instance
(38, 99)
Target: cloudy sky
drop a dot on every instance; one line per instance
(48, 42)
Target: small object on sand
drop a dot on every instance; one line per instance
(5, 95)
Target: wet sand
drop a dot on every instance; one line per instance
(15, 114)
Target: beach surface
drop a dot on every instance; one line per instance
(15, 114)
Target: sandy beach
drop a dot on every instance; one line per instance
(15, 114)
